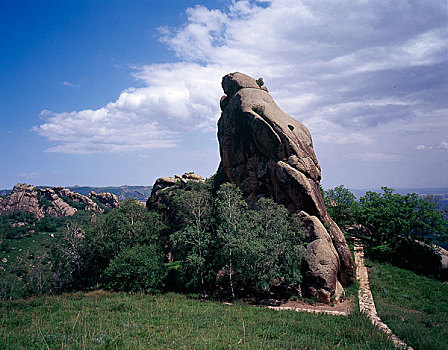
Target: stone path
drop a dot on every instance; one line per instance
(366, 303)
(311, 310)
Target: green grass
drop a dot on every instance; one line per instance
(35, 245)
(414, 307)
(100, 320)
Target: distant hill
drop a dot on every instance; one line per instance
(5, 192)
(140, 193)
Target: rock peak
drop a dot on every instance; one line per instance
(233, 82)
(267, 153)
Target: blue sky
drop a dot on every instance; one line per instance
(123, 92)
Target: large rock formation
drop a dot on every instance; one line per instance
(23, 198)
(269, 154)
(109, 200)
(56, 201)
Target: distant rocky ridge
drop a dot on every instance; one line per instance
(140, 193)
(267, 153)
(55, 201)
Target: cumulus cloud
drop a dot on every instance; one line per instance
(176, 98)
(359, 72)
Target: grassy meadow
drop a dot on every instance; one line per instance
(100, 320)
(414, 307)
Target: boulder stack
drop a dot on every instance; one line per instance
(23, 198)
(107, 199)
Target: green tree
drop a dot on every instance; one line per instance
(281, 247)
(66, 257)
(263, 247)
(192, 241)
(233, 228)
(394, 218)
(136, 269)
(341, 205)
(122, 228)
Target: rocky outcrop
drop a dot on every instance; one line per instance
(442, 255)
(109, 200)
(23, 198)
(56, 201)
(267, 153)
(54, 205)
(87, 203)
(163, 189)
(321, 276)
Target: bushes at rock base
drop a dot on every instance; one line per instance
(138, 269)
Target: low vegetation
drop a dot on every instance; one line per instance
(400, 229)
(213, 247)
(414, 307)
(101, 320)
(232, 251)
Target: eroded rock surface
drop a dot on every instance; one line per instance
(56, 201)
(267, 153)
(109, 200)
(23, 198)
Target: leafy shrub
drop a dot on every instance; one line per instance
(122, 228)
(138, 269)
(259, 110)
(396, 219)
(49, 224)
(227, 249)
(43, 201)
(16, 225)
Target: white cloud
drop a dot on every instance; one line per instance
(443, 145)
(379, 157)
(354, 72)
(69, 84)
(176, 98)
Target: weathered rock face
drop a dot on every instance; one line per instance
(107, 199)
(267, 153)
(56, 201)
(23, 198)
(54, 205)
(76, 197)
